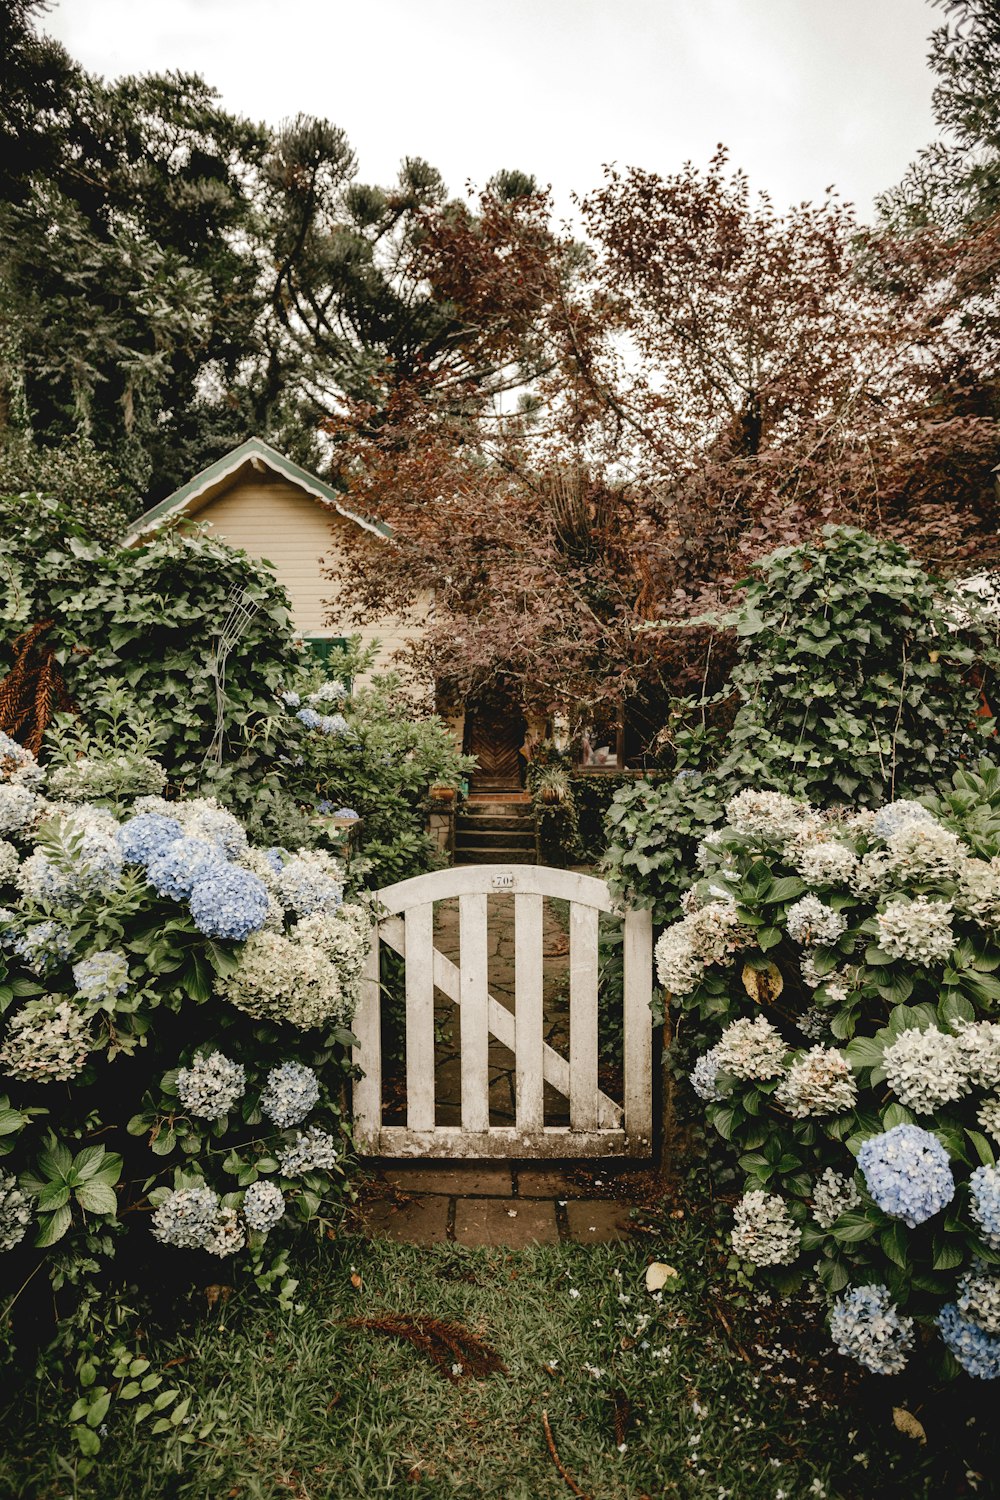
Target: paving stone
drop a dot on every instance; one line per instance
(597, 1223)
(546, 1183)
(513, 1222)
(455, 1181)
(420, 1221)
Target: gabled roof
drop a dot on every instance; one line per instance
(212, 481)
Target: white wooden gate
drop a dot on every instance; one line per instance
(598, 1126)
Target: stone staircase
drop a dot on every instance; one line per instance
(495, 830)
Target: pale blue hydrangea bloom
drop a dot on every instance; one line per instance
(908, 1173)
(44, 946)
(976, 1351)
(896, 815)
(203, 818)
(146, 835)
(211, 1085)
(309, 717)
(333, 724)
(978, 1298)
(15, 1212)
(291, 699)
(275, 857)
(345, 812)
(186, 1218)
(984, 1185)
(309, 883)
(17, 764)
(312, 1150)
(102, 976)
(263, 1205)
(90, 865)
(9, 862)
(705, 1076)
(866, 1325)
(289, 1094)
(176, 869)
(229, 902)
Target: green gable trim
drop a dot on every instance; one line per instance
(177, 504)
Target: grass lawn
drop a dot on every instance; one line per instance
(688, 1395)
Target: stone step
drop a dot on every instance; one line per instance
(471, 855)
(488, 822)
(512, 838)
(496, 810)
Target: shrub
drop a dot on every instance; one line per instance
(856, 685)
(178, 1005)
(842, 967)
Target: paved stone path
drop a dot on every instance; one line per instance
(431, 1203)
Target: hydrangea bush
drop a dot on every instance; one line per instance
(843, 972)
(176, 1010)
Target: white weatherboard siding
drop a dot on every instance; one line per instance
(279, 522)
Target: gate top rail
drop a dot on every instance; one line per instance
(511, 880)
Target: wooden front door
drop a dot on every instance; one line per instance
(494, 734)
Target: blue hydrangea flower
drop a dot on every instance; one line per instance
(102, 976)
(333, 724)
(275, 858)
(89, 863)
(977, 1352)
(908, 1173)
(345, 812)
(309, 717)
(866, 1325)
(146, 835)
(984, 1185)
(175, 871)
(229, 902)
(44, 946)
(289, 1094)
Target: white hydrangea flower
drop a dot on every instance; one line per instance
(820, 1082)
(812, 921)
(205, 818)
(283, 978)
(9, 862)
(263, 1205)
(988, 1116)
(311, 881)
(768, 816)
(811, 977)
(18, 765)
(328, 692)
(872, 874)
(833, 1195)
(226, 1235)
(895, 816)
(751, 1049)
(978, 893)
(764, 1231)
(918, 930)
(19, 807)
(827, 863)
(290, 1092)
(711, 935)
(708, 849)
(925, 1069)
(15, 1212)
(814, 1023)
(211, 1085)
(921, 851)
(47, 1041)
(979, 1044)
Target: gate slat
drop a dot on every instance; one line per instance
(528, 1015)
(473, 1018)
(583, 1017)
(367, 1027)
(419, 923)
(638, 954)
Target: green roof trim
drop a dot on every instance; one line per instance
(177, 504)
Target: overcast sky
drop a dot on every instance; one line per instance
(806, 93)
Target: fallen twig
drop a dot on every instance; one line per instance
(560, 1467)
(452, 1349)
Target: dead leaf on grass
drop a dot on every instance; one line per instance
(660, 1277)
(905, 1422)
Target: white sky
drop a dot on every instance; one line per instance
(806, 93)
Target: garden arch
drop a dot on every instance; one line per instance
(598, 1125)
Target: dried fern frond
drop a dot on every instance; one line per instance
(33, 689)
(452, 1349)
